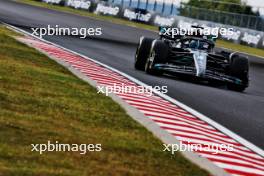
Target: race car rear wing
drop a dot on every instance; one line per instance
(169, 33)
(178, 33)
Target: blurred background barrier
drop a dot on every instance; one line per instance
(246, 21)
(78, 4)
(105, 9)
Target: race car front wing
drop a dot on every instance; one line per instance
(208, 75)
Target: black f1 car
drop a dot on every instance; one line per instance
(194, 56)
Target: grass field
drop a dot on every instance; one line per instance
(219, 43)
(41, 101)
(241, 48)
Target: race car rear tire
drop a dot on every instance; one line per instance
(238, 68)
(158, 55)
(142, 53)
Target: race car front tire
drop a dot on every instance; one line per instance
(238, 68)
(158, 55)
(142, 52)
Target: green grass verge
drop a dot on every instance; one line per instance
(41, 101)
(219, 43)
(240, 48)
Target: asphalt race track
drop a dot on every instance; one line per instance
(243, 113)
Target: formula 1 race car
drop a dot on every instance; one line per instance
(194, 56)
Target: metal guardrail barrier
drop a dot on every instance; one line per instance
(164, 8)
(128, 9)
(150, 5)
(234, 19)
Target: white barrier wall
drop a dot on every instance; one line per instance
(240, 36)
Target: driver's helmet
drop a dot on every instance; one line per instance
(194, 44)
(204, 45)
